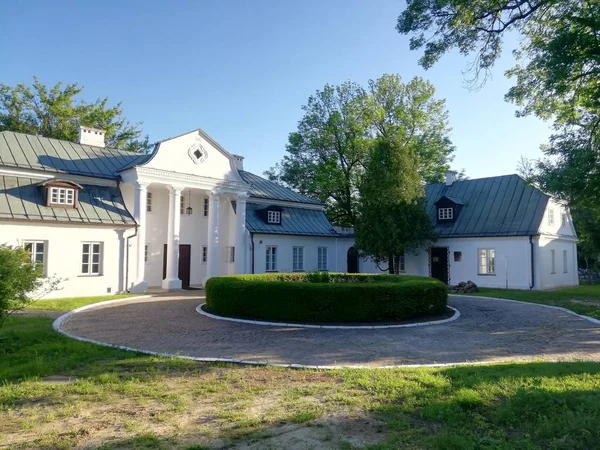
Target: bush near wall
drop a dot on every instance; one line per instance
(325, 297)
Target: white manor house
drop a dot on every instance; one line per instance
(110, 221)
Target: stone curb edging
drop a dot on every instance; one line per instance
(557, 308)
(455, 316)
(57, 325)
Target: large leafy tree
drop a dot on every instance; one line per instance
(556, 74)
(57, 112)
(392, 219)
(327, 155)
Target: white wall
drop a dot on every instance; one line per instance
(63, 254)
(562, 275)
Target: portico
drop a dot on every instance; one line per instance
(198, 210)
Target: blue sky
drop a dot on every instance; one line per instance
(241, 70)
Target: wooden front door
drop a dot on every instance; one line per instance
(185, 260)
(352, 260)
(439, 263)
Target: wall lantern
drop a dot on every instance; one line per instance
(189, 209)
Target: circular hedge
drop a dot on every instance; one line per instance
(325, 297)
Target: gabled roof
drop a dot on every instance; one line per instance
(26, 151)
(23, 198)
(495, 206)
(294, 221)
(265, 189)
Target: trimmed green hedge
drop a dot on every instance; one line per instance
(325, 297)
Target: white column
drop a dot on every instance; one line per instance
(139, 213)
(172, 280)
(213, 235)
(240, 234)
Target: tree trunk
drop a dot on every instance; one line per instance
(587, 269)
(391, 265)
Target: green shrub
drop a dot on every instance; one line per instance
(325, 297)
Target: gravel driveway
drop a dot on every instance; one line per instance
(488, 330)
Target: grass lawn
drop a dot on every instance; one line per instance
(584, 299)
(59, 393)
(68, 304)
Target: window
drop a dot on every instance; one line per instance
(457, 256)
(563, 219)
(91, 258)
(322, 258)
(565, 265)
(62, 196)
(551, 216)
(37, 251)
(181, 205)
(273, 216)
(205, 208)
(401, 264)
(298, 259)
(149, 201)
(230, 254)
(553, 261)
(271, 259)
(445, 213)
(146, 253)
(487, 263)
(204, 253)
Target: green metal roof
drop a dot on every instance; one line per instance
(294, 221)
(262, 188)
(26, 151)
(495, 206)
(23, 198)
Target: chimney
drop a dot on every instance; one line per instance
(91, 136)
(450, 177)
(239, 162)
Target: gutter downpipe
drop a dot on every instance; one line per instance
(127, 259)
(532, 284)
(252, 251)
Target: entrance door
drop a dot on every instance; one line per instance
(352, 260)
(185, 259)
(439, 264)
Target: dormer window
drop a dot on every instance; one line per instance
(274, 217)
(445, 213)
(61, 193)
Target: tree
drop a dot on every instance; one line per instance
(328, 153)
(557, 70)
(20, 280)
(57, 113)
(392, 218)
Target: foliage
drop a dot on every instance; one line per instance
(328, 153)
(19, 278)
(392, 217)
(55, 112)
(260, 298)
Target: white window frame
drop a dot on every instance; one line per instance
(552, 261)
(204, 254)
(148, 201)
(445, 213)
(486, 261)
(229, 254)
(322, 259)
(181, 205)
(90, 260)
(565, 262)
(271, 258)
(401, 263)
(563, 219)
(205, 207)
(551, 217)
(274, 217)
(298, 259)
(33, 252)
(62, 196)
